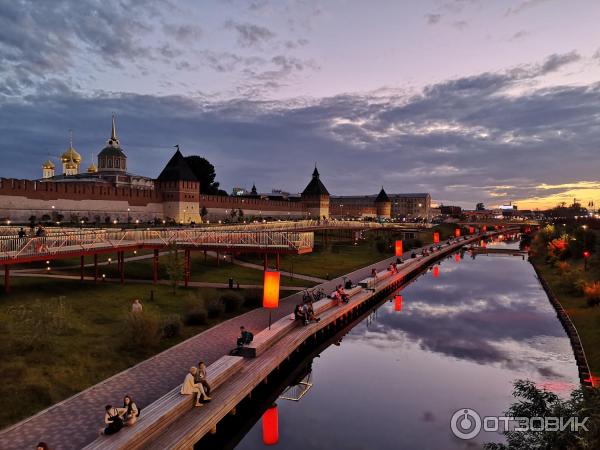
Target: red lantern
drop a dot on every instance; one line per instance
(484, 228)
(271, 290)
(270, 426)
(457, 257)
(399, 250)
(398, 303)
(436, 237)
(457, 232)
(436, 271)
(586, 254)
(471, 230)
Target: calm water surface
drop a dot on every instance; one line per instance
(459, 341)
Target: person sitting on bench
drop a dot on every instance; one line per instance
(348, 284)
(200, 377)
(345, 298)
(189, 387)
(299, 314)
(310, 313)
(245, 337)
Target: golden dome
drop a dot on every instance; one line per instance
(92, 168)
(71, 155)
(48, 165)
(70, 165)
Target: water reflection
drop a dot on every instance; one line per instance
(463, 333)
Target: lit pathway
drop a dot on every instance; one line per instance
(76, 421)
(164, 282)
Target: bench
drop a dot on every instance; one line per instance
(267, 337)
(157, 416)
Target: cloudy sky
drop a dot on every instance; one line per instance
(469, 100)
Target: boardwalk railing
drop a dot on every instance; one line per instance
(22, 248)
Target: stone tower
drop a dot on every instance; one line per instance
(383, 205)
(180, 190)
(315, 198)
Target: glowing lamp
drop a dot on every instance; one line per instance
(399, 249)
(586, 254)
(436, 237)
(471, 230)
(271, 290)
(436, 271)
(457, 232)
(398, 303)
(484, 228)
(270, 426)
(457, 257)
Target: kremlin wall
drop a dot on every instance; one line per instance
(107, 192)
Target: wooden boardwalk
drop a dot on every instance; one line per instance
(195, 423)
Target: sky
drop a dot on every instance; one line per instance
(469, 100)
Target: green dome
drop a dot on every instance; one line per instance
(112, 151)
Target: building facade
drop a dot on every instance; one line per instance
(107, 193)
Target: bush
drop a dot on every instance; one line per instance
(142, 330)
(232, 301)
(196, 316)
(214, 308)
(592, 293)
(171, 326)
(253, 298)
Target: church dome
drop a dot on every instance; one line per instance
(71, 155)
(70, 165)
(92, 168)
(48, 165)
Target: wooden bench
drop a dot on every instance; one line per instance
(157, 416)
(267, 337)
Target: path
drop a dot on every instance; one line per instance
(146, 381)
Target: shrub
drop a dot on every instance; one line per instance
(171, 326)
(592, 293)
(196, 316)
(214, 308)
(232, 301)
(253, 298)
(142, 330)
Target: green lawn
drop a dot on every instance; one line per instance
(50, 353)
(585, 318)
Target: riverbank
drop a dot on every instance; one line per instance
(586, 319)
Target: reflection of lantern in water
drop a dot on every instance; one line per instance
(399, 250)
(270, 426)
(457, 232)
(436, 237)
(457, 257)
(483, 244)
(471, 230)
(436, 271)
(398, 303)
(484, 228)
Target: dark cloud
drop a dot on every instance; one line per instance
(432, 19)
(250, 35)
(464, 140)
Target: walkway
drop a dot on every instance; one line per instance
(164, 282)
(62, 429)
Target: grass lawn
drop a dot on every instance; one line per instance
(585, 318)
(44, 362)
(340, 255)
(201, 271)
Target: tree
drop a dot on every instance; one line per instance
(174, 266)
(240, 214)
(205, 172)
(535, 402)
(233, 213)
(203, 212)
(480, 207)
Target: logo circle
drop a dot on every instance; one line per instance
(465, 423)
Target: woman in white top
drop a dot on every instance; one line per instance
(189, 387)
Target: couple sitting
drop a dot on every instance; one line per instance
(392, 268)
(117, 418)
(194, 383)
(340, 295)
(305, 313)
